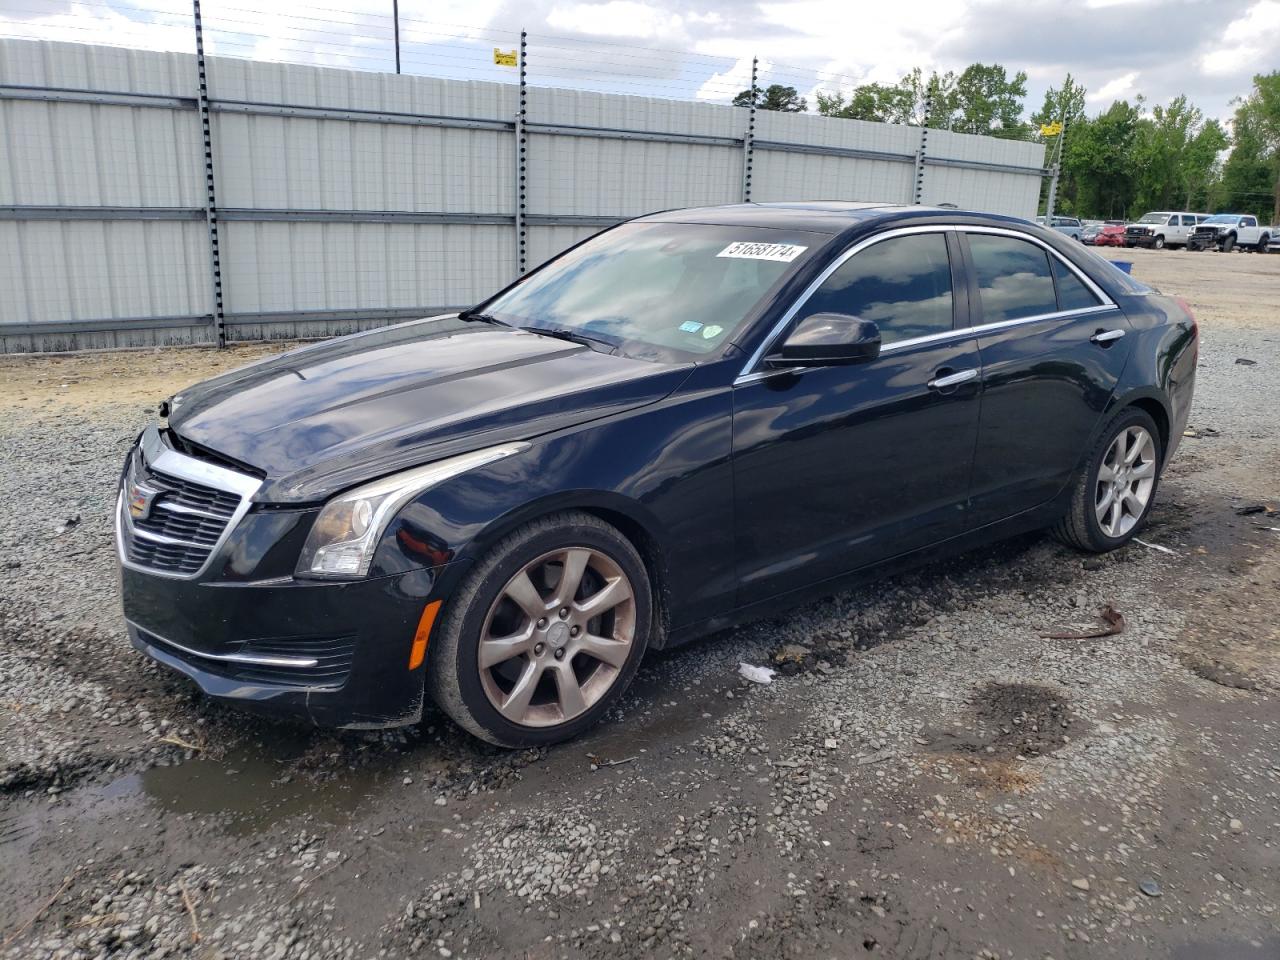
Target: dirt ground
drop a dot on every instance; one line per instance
(927, 777)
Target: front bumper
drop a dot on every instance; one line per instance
(333, 654)
(1202, 242)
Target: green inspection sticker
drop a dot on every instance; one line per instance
(711, 332)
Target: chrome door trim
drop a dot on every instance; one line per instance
(749, 373)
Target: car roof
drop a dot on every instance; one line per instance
(825, 216)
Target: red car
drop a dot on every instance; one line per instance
(1111, 235)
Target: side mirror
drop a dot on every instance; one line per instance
(828, 339)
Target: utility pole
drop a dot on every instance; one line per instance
(395, 15)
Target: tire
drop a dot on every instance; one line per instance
(1228, 243)
(1081, 526)
(476, 697)
(1158, 243)
(1263, 242)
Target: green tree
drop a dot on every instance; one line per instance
(1063, 104)
(988, 101)
(774, 97)
(1249, 175)
(1255, 161)
(1174, 155)
(1097, 162)
(903, 102)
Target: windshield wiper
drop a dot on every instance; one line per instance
(471, 317)
(573, 336)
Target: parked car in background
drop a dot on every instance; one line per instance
(691, 420)
(1226, 231)
(1111, 235)
(1071, 226)
(1162, 229)
(1273, 246)
(1090, 230)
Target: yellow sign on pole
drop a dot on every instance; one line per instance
(1051, 129)
(504, 59)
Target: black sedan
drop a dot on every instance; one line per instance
(687, 421)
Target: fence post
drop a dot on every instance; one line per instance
(1057, 169)
(918, 194)
(749, 139)
(522, 161)
(210, 206)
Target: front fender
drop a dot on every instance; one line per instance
(661, 473)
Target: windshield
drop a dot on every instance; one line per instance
(1221, 218)
(658, 291)
(1154, 218)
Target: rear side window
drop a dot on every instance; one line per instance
(903, 284)
(1013, 277)
(1072, 293)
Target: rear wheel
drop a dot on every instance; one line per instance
(544, 634)
(1117, 486)
(1263, 242)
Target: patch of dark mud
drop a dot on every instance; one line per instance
(1216, 672)
(834, 920)
(1012, 719)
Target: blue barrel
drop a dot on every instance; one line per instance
(1124, 266)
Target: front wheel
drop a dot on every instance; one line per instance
(544, 634)
(1159, 243)
(1229, 243)
(1116, 487)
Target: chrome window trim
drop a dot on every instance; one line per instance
(256, 660)
(749, 373)
(163, 459)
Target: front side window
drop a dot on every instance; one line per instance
(1013, 277)
(903, 284)
(659, 291)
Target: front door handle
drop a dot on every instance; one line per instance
(952, 379)
(1106, 336)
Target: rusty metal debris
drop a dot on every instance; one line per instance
(1109, 615)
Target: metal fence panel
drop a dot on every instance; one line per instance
(348, 199)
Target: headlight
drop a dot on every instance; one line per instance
(345, 535)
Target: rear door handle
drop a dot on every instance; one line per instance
(952, 379)
(1106, 336)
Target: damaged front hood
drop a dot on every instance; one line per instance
(331, 415)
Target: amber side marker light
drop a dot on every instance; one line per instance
(418, 652)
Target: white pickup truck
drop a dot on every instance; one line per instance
(1225, 231)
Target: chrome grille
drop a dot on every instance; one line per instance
(185, 509)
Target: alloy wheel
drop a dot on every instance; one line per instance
(1126, 479)
(555, 640)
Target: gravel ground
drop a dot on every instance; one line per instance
(927, 777)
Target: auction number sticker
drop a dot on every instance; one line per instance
(746, 250)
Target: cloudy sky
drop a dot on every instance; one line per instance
(1207, 49)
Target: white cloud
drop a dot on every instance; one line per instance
(618, 18)
(1116, 89)
(1249, 44)
(722, 87)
